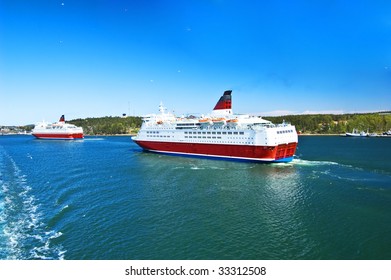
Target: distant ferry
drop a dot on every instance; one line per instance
(58, 130)
(221, 134)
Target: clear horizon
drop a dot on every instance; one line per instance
(104, 58)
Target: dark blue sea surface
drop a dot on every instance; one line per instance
(104, 198)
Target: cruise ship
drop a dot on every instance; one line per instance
(220, 134)
(58, 130)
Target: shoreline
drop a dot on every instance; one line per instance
(104, 135)
(344, 135)
(318, 134)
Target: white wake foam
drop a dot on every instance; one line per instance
(303, 162)
(23, 232)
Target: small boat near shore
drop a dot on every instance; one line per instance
(387, 133)
(355, 133)
(58, 130)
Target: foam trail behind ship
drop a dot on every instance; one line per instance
(23, 232)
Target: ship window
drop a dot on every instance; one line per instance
(241, 133)
(224, 132)
(229, 133)
(208, 132)
(235, 133)
(213, 132)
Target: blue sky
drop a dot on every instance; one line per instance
(108, 57)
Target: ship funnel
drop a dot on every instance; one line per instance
(62, 118)
(224, 105)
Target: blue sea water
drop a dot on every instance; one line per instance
(104, 198)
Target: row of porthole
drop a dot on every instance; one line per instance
(219, 142)
(158, 136)
(216, 132)
(284, 131)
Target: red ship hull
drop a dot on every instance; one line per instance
(278, 153)
(58, 136)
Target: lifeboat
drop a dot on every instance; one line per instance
(205, 121)
(219, 121)
(232, 122)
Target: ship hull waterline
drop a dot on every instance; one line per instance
(62, 136)
(266, 154)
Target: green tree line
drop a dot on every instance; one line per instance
(312, 124)
(337, 124)
(109, 125)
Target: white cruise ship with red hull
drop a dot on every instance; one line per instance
(220, 134)
(58, 130)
